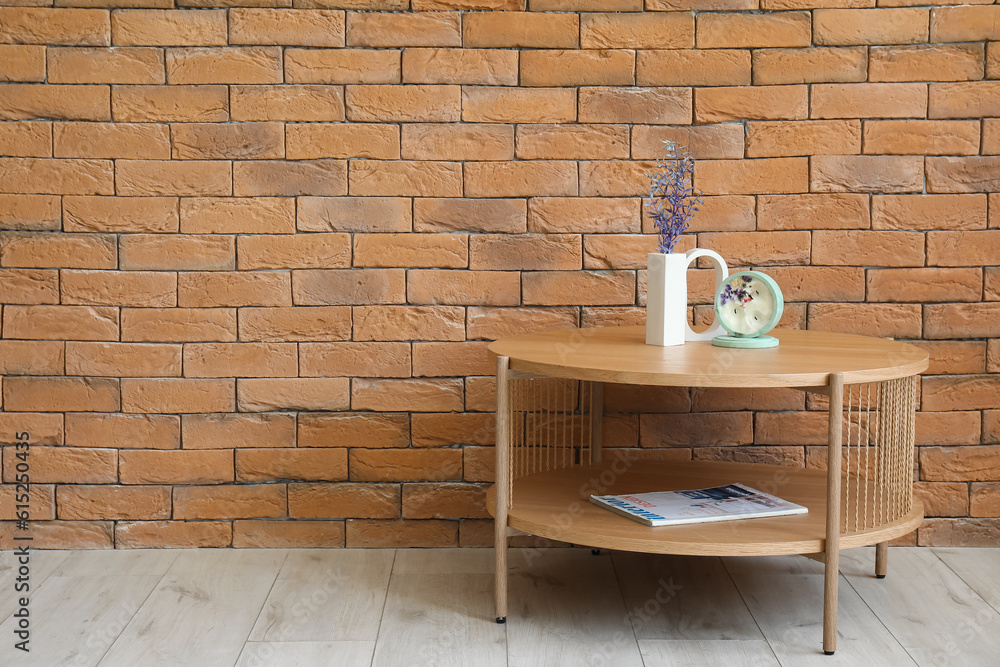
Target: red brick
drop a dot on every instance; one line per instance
(936, 62)
(457, 142)
(29, 286)
(22, 63)
(955, 212)
(369, 430)
(166, 104)
(725, 399)
(820, 283)
(178, 324)
(287, 103)
(809, 137)
(960, 320)
(767, 176)
(877, 319)
(636, 31)
(66, 465)
(753, 31)
(411, 29)
(444, 501)
(608, 67)
(111, 140)
(230, 502)
(29, 139)
(655, 106)
(488, 288)
(965, 24)
(551, 288)
(955, 357)
(374, 323)
(479, 215)
(227, 65)
(991, 284)
(105, 65)
(617, 251)
(724, 141)
(177, 395)
(732, 428)
(43, 429)
(767, 248)
(405, 465)
(413, 103)
(113, 502)
(417, 395)
(520, 179)
(368, 140)
(867, 173)
(122, 359)
(866, 100)
(928, 137)
(991, 135)
(42, 500)
(261, 465)
(947, 428)
(451, 359)
(925, 285)
(355, 359)
(342, 66)
(213, 289)
(376, 178)
(293, 394)
(62, 535)
(870, 26)
(521, 29)
(411, 250)
(229, 141)
(482, 104)
(717, 67)
(851, 248)
(943, 498)
(30, 25)
(349, 287)
(295, 324)
(223, 215)
(19, 357)
(60, 322)
(29, 212)
(572, 142)
(267, 534)
(373, 533)
(286, 27)
(963, 248)
(143, 27)
(984, 499)
(351, 500)
(172, 178)
(172, 534)
(65, 177)
(240, 360)
(75, 251)
(486, 67)
(279, 178)
(963, 174)
(819, 211)
(991, 424)
(349, 214)
(958, 464)
(445, 430)
(61, 394)
(300, 251)
(578, 214)
(525, 252)
(177, 252)
(115, 288)
(229, 431)
(811, 65)
(122, 431)
(494, 323)
(964, 100)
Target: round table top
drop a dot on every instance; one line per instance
(620, 354)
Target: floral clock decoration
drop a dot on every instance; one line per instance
(748, 305)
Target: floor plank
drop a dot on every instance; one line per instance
(443, 561)
(306, 654)
(41, 566)
(935, 615)
(75, 619)
(120, 562)
(201, 611)
(326, 595)
(682, 597)
(702, 652)
(979, 568)
(788, 607)
(565, 608)
(440, 620)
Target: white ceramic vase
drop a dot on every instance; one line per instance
(666, 297)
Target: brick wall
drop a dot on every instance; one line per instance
(252, 256)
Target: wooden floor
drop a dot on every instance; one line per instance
(348, 608)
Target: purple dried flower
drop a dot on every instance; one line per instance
(671, 193)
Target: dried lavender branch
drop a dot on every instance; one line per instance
(671, 193)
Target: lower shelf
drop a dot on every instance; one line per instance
(556, 505)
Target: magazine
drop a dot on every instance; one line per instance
(719, 503)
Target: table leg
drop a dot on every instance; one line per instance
(832, 551)
(881, 559)
(502, 486)
(596, 421)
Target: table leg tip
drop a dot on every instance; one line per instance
(880, 576)
(595, 552)
(828, 652)
(501, 619)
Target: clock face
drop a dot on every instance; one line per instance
(749, 304)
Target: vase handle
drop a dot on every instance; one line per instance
(721, 273)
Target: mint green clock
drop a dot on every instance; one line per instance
(748, 304)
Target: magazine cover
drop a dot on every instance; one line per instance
(719, 503)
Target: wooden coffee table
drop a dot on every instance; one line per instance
(549, 457)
